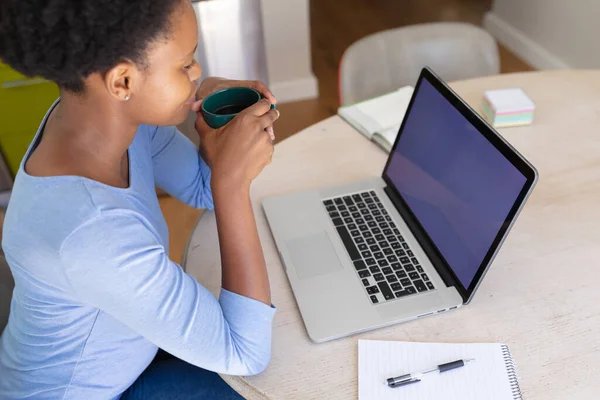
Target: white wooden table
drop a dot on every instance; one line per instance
(541, 296)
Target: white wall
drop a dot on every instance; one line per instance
(286, 27)
(549, 34)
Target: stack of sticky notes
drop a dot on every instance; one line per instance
(507, 107)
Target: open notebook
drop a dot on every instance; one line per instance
(492, 376)
(379, 118)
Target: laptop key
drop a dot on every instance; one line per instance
(348, 201)
(388, 218)
(355, 233)
(365, 282)
(342, 208)
(415, 261)
(430, 285)
(334, 214)
(385, 289)
(404, 260)
(338, 222)
(360, 265)
(374, 269)
(397, 267)
(387, 232)
(372, 289)
(392, 258)
(396, 245)
(378, 255)
(353, 209)
(348, 220)
(413, 275)
(367, 234)
(376, 231)
(379, 237)
(374, 248)
(419, 269)
(409, 268)
(356, 198)
(410, 253)
(395, 286)
(396, 232)
(364, 212)
(365, 194)
(374, 299)
(383, 225)
(339, 201)
(376, 213)
(381, 207)
(405, 282)
(364, 273)
(370, 261)
(352, 227)
(406, 247)
(368, 218)
(378, 277)
(372, 193)
(360, 221)
(363, 247)
(331, 209)
(372, 206)
(391, 278)
(372, 224)
(388, 251)
(366, 254)
(392, 239)
(401, 274)
(410, 290)
(401, 293)
(420, 285)
(371, 241)
(363, 228)
(383, 263)
(369, 200)
(348, 243)
(328, 202)
(400, 253)
(361, 205)
(386, 270)
(356, 215)
(359, 240)
(345, 214)
(384, 244)
(384, 212)
(424, 277)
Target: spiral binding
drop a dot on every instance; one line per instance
(513, 376)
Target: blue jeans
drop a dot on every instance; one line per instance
(168, 377)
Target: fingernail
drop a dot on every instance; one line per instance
(278, 113)
(271, 132)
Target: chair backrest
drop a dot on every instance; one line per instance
(388, 60)
(6, 288)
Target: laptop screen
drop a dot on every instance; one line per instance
(458, 185)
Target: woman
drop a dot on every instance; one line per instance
(95, 292)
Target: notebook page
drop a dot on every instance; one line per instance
(379, 113)
(486, 378)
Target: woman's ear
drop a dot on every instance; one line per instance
(120, 80)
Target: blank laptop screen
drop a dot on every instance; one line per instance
(456, 183)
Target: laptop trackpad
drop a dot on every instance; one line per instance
(313, 255)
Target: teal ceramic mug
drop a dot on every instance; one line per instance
(222, 106)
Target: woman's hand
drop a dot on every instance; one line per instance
(238, 152)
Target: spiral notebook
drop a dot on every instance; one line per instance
(492, 376)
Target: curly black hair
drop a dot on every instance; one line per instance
(65, 41)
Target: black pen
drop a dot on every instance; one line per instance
(408, 379)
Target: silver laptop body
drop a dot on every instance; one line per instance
(346, 283)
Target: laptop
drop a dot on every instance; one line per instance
(416, 241)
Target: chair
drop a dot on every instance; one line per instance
(6, 288)
(388, 60)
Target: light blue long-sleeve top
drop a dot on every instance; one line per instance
(95, 291)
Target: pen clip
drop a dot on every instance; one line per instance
(405, 382)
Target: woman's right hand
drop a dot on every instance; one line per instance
(238, 152)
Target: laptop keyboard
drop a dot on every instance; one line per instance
(384, 262)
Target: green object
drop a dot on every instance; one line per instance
(23, 103)
(221, 107)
